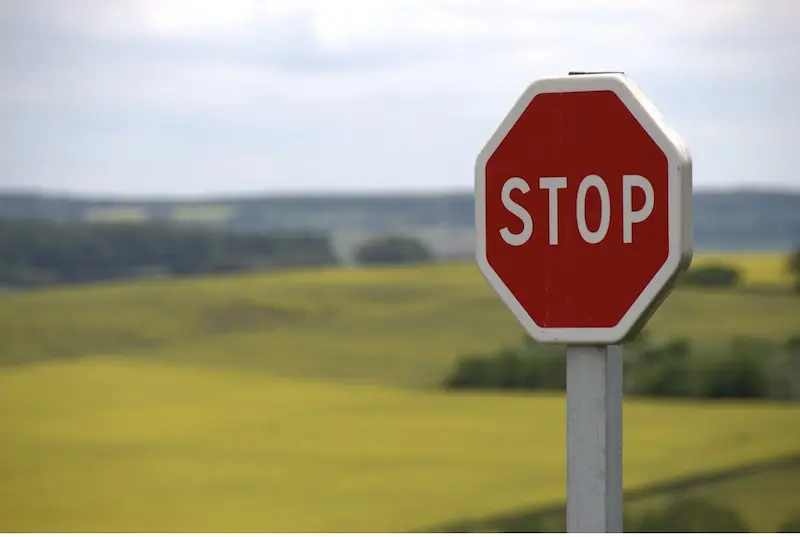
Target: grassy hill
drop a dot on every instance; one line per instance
(731, 221)
(401, 326)
(292, 402)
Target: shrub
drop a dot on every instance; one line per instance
(786, 374)
(793, 343)
(389, 250)
(662, 370)
(506, 369)
(745, 369)
(528, 368)
(470, 372)
(668, 378)
(712, 276)
(543, 367)
(689, 515)
(741, 372)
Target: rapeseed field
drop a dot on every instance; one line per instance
(758, 269)
(104, 444)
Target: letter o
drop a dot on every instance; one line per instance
(593, 237)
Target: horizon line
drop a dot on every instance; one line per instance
(310, 194)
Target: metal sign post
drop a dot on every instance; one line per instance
(594, 436)
(594, 439)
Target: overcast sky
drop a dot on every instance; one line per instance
(200, 97)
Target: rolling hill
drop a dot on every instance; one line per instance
(306, 401)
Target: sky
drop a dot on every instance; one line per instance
(209, 97)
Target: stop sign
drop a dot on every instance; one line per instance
(583, 209)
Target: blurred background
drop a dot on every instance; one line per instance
(237, 278)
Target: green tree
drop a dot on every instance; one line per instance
(470, 372)
(41, 252)
(741, 371)
(390, 250)
(790, 367)
(717, 275)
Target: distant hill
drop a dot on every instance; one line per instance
(729, 221)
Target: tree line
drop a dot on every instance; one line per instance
(41, 252)
(722, 275)
(722, 220)
(37, 252)
(742, 369)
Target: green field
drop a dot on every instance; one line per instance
(764, 494)
(292, 402)
(763, 497)
(399, 326)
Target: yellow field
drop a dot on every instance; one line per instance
(203, 213)
(104, 445)
(116, 214)
(758, 268)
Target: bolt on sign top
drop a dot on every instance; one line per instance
(583, 209)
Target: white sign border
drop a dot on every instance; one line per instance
(679, 162)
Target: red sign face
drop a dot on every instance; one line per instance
(577, 208)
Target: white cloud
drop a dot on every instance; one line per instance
(392, 93)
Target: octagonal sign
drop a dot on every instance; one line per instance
(583, 209)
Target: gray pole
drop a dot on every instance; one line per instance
(594, 439)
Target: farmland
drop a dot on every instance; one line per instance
(397, 326)
(761, 494)
(107, 445)
(302, 401)
(762, 497)
(758, 269)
